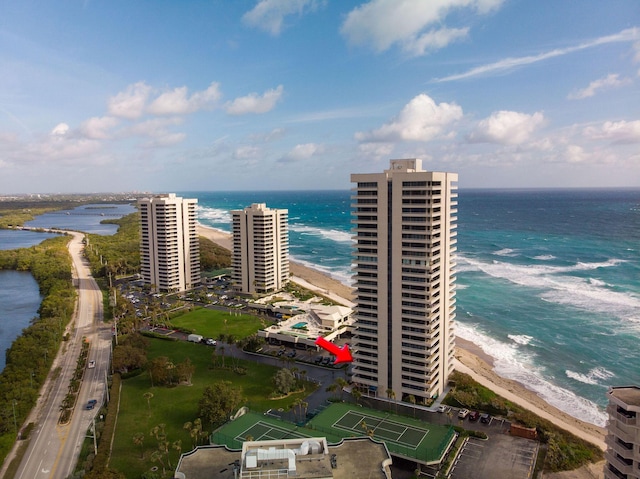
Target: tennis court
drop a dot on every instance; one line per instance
(404, 436)
(381, 428)
(262, 431)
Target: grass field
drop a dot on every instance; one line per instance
(175, 406)
(212, 323)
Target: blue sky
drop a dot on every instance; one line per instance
(158, 95)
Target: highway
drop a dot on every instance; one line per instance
(53, 449)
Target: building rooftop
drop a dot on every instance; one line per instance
(630, 395)
(304, 458)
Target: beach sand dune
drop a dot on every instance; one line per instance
(470, 359)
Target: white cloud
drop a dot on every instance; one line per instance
(178, 101)
(375, 151)
(434, 40)
(420, 120)
(131, 102)
(246, 152)
(269, 15)
(616, 131)
(506, 128)
(164, 140)
(253, 103)
(61, 129)
(415, 25)
(154, 127)
(610, 81)
(302, 152)
(97, 128)
(628, 35)
(575, 154)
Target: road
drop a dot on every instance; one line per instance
(53, 449)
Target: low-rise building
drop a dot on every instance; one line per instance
(302, 458)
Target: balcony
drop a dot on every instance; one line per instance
(627, 419)
(623, 467)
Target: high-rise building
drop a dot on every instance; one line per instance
(623, 434)
(404, 225)
(169, 247)
(260, 257)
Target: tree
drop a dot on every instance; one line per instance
(161, 371)
(126, 358)
(339, 386)
(138, 440)
(391, 395)
(357, 395)
(284, 381)
(218, 402)
(412, 399)
(185, 371)
(148, 395)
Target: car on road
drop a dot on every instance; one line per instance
(91, 404)
(210, 342)
(463, 413)
(92, 364)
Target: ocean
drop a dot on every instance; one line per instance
(548, 280)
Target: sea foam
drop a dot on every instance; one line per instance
(511, 362)
(594, 376)
(558, 287)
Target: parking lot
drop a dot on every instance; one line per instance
(502, 456)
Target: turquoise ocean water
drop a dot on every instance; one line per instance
(548, 280)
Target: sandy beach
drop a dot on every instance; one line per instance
(470, 358)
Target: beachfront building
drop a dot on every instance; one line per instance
(169, 247)
(260, 256)
(404, 226)
(623, 434)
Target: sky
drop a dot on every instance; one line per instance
(195, 95)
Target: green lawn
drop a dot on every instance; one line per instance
(212, 323)
(175, 406)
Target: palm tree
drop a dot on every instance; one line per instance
(340, 385)
(391, 395)
(177, 445)
(356, 395)
(148, 395)
(138, 440)
(157, 456)
(412, 399)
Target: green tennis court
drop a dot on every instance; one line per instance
(262, 431)
(385, 429)
(404, 436)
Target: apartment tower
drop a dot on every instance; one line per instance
(404, 224)
(169, 248)
(623, 433)
(260, 258)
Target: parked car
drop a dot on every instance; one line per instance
(91, 404)
(443, 408)
(474, 416)
(485, 418)
(463, 413)
(92, 364)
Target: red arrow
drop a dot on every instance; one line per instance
(342, 354)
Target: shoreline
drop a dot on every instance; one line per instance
(469, 357)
